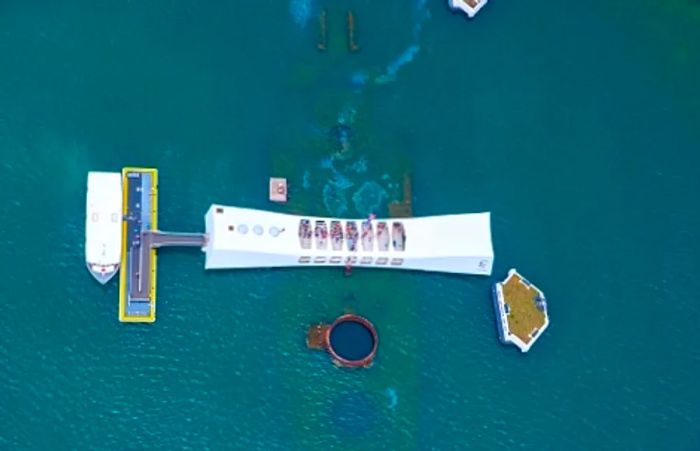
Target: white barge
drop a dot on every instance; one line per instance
(103, 225)
(521, 311)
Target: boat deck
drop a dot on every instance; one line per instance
(526, 314)
(521, 311)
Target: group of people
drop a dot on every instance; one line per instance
(321, 234)
(367, 235)
(337, 235)
(382, 236)
(305, 233)
(399, 236)
(351, 234)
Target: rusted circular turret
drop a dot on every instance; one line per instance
(351, 340)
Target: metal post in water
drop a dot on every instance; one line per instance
(323, 36)
(352, 46)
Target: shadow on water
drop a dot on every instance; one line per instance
(355, 414)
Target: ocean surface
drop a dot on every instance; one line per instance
(576, 124)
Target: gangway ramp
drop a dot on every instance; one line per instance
(156, 239)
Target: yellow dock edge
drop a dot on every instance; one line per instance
(123, 317)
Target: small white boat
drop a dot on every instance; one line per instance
(470, 7)
(103, 231)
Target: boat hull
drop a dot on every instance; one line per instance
(103, 224)
(102, 273)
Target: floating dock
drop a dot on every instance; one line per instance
(140, 239)
(137, 287)
(521, 311)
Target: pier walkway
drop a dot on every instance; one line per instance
(156, 238)
(141, 237)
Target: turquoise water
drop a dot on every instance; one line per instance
(575, 124)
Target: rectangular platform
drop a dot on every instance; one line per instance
(137, 281)
(247, 238)
(278, 189)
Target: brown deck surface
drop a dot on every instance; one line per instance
(524, 316)
(316, 336)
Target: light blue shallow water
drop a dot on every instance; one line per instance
(575, 124)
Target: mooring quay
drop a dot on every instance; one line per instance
(140, 238)
(246, 238)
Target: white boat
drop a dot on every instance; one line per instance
(471, 7)
(103, 225)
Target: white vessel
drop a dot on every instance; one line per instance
(471, 7)
(103, 234)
